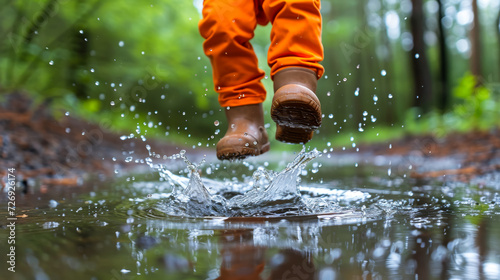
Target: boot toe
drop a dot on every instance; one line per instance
(240, 146)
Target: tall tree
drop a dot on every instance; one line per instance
(475, 58)
(80, 54)
(444, 97)
(420, 66)
(386, 63)
(497, 28)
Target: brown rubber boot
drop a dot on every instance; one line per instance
(246, 135)
(295, 108)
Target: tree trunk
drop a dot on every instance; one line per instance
(357, 101)
(497, 28)
(475, 58)
(387, 66)
(444, 97)
(79, 47)
(420, 65)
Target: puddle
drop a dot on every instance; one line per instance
(349, 222)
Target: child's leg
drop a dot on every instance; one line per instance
(295, 35)
(228, 26)
(294, 57)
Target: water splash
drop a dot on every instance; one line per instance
(272, 193)
(193, 200)
(281, 196)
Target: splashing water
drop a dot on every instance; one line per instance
(281, 196)
(194, 200)
(272, 194)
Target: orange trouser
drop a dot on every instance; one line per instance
(228, 26)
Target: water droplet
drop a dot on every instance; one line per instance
(66, 114)
(97, 83)
(121, 44)
(365, 113)
(216, 123)
(123, 137)
(81, 31)
(383, 73)
(345, 79)
(375, 98)
(53, 203)
(330, 116)
(389, 96)
(51, 62)
(417, 55)
(357, 66)
(356, 93)
(132, 108)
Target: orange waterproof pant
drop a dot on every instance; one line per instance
(228, 26)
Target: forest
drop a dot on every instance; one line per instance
(392, 67)
(109, 121)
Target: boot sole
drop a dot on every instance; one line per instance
(233, 153)
(296, 117)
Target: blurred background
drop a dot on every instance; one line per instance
(393, 68)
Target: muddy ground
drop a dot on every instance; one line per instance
(68, 150)
(62, 151)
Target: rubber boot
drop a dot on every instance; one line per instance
(246, 135)
(296, 108)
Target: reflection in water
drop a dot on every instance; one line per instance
(242, 260)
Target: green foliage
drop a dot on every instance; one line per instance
(99, 59)
(129, 53)
(477, 107)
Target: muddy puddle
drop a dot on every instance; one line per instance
(345, 218)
